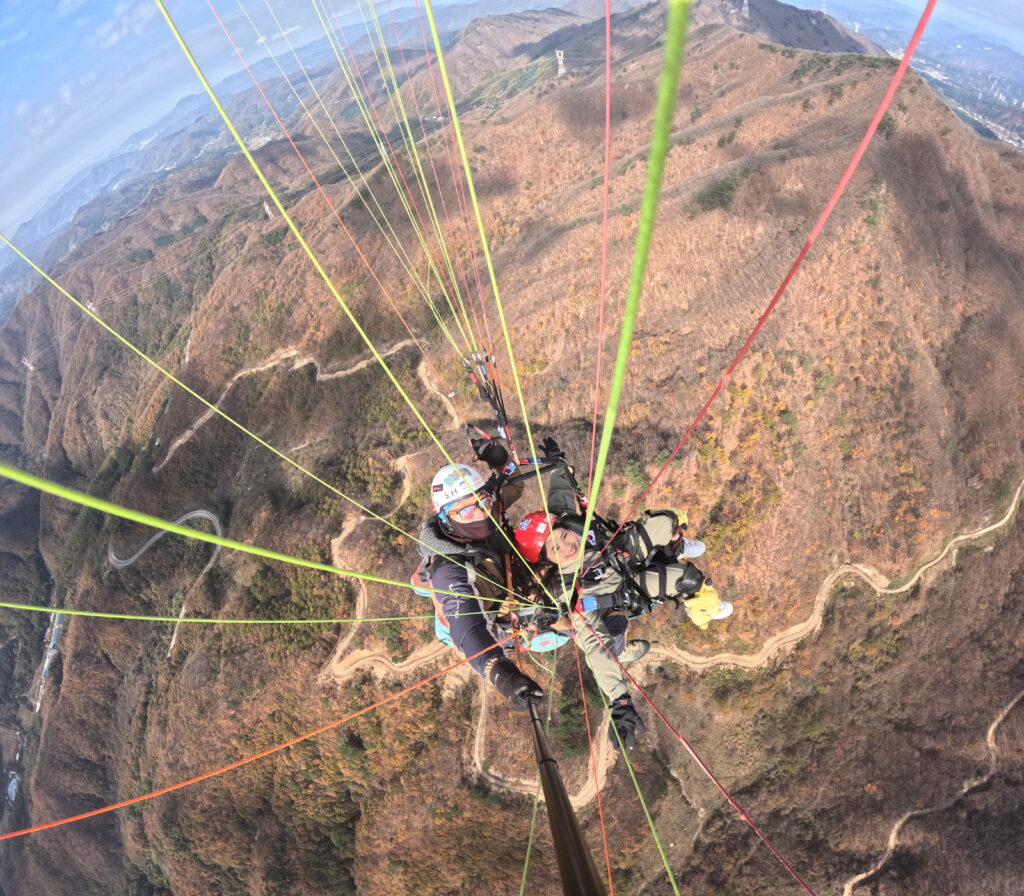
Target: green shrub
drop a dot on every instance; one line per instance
(635, 474)
(193, 225)
(275, 236)
(722, 681)
(721, 194)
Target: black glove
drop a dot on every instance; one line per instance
(491, 452)
(520, 690)
(625, 720)
(544, 620)
(549, 448)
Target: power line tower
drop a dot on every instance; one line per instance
(560, 56)
(824, 6)
(746, 9)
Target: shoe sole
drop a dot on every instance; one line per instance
(624, 657)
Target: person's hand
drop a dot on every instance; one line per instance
(549, 448)
(491, 452)
(520, 690)
(626, 722)
(544, 620)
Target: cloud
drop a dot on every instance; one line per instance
(38, 121)
(130, 20)
(7, 40)
(75, 101)
(263, 41)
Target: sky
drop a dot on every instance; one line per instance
(78, 77)
(1001, 20)
(998, 20)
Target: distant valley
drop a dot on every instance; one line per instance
(874, 423)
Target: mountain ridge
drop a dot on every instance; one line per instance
(868, 425)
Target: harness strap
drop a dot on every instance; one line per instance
(637, 586)
(612, 601)
(641, 532)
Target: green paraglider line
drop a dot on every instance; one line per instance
(485, 245)
(675, 38)
(11, 605)
(293, 227)
(315, 261)
(135, 516)
(536, 796)
(643, 804)
(211, 406)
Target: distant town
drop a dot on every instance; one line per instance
(982, 80)
(12, 740)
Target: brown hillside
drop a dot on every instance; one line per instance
(876, 418)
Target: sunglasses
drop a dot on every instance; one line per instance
(465, 513)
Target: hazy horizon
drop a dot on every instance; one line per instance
(84, 77)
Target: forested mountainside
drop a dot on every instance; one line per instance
(876, 420)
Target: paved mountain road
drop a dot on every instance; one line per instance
(118, 563)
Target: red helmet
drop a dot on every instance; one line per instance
(532, 532)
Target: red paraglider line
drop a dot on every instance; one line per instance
(593, 766)
(424, 229)
(844, 180)
(437, 179)
(323, 193)
(704, 766)
(604, 222)
(460, 193)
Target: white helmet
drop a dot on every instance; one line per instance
(454, 481)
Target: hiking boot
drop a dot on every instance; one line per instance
(691, 549)
(634, 650)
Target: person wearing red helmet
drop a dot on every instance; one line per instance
(542, 538)
(532, 532)
(648, 562)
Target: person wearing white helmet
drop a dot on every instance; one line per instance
(464, 561)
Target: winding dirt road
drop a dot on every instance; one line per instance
(965, 788)
(811, 626)
(275, 359)
(343, 664)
